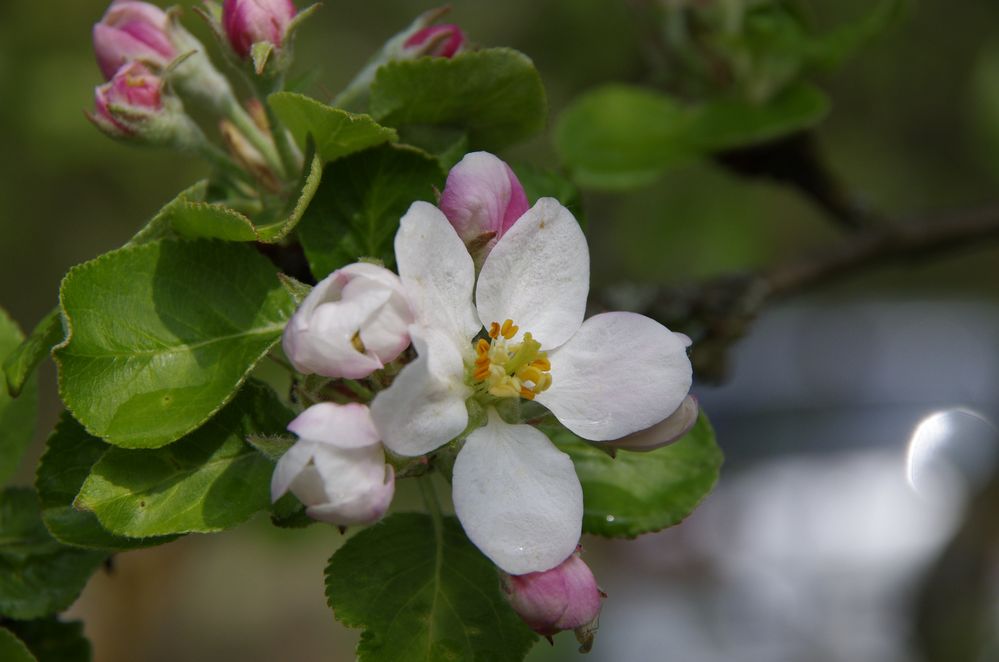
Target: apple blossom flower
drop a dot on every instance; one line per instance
(614, 374)
(135, 106)
(133, 32)
(130, 98)
(563, 598)
(444, 40)
(247, 22)
(351, 323)
(482, 199)
(337, 467)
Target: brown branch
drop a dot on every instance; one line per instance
(718, 312)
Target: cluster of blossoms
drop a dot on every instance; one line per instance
(491, 294)
(153, 65)
(481, 330)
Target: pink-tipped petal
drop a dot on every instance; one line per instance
(247, 22)
(343, 426)
(443, 40)
(670, 429)
(482, 199)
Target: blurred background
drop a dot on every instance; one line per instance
(855, 517)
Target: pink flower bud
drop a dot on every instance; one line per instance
(337, 467)
(665, 432)
(351, 324)
(482, 199)
(247, 22)
(563, 598)
(443, 40)
(132, 31)
(129, 100)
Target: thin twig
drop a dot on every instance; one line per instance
(718, 312)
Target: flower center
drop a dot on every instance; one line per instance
(510, 370)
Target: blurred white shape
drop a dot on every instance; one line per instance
(951, 454)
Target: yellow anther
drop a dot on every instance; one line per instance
(357, 342)
(542, 363)
(507, 369)
(529, 374)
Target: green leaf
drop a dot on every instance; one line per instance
(495, 94)
(620, 136)
(357, 209)
(445, 144)
(13, 649)
(209, 481)
(191, 216)
(726, 124)
(637, 493)
(52, 640)
(337, 133)
(423, 594)
(38, 576)
(21, 362)
(70, 455)
(161, 336)
(17, 415)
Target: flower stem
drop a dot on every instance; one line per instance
(290, 155)
(221, 160)
(252, 132)
(359, 389)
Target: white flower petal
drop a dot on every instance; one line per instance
(437, 272)
(518, 497)
(621, 373)
(425, 406)
(347, 472)
(318, 338)
(538, 275)
(289, 466)
(346, 486)
(343, 426)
